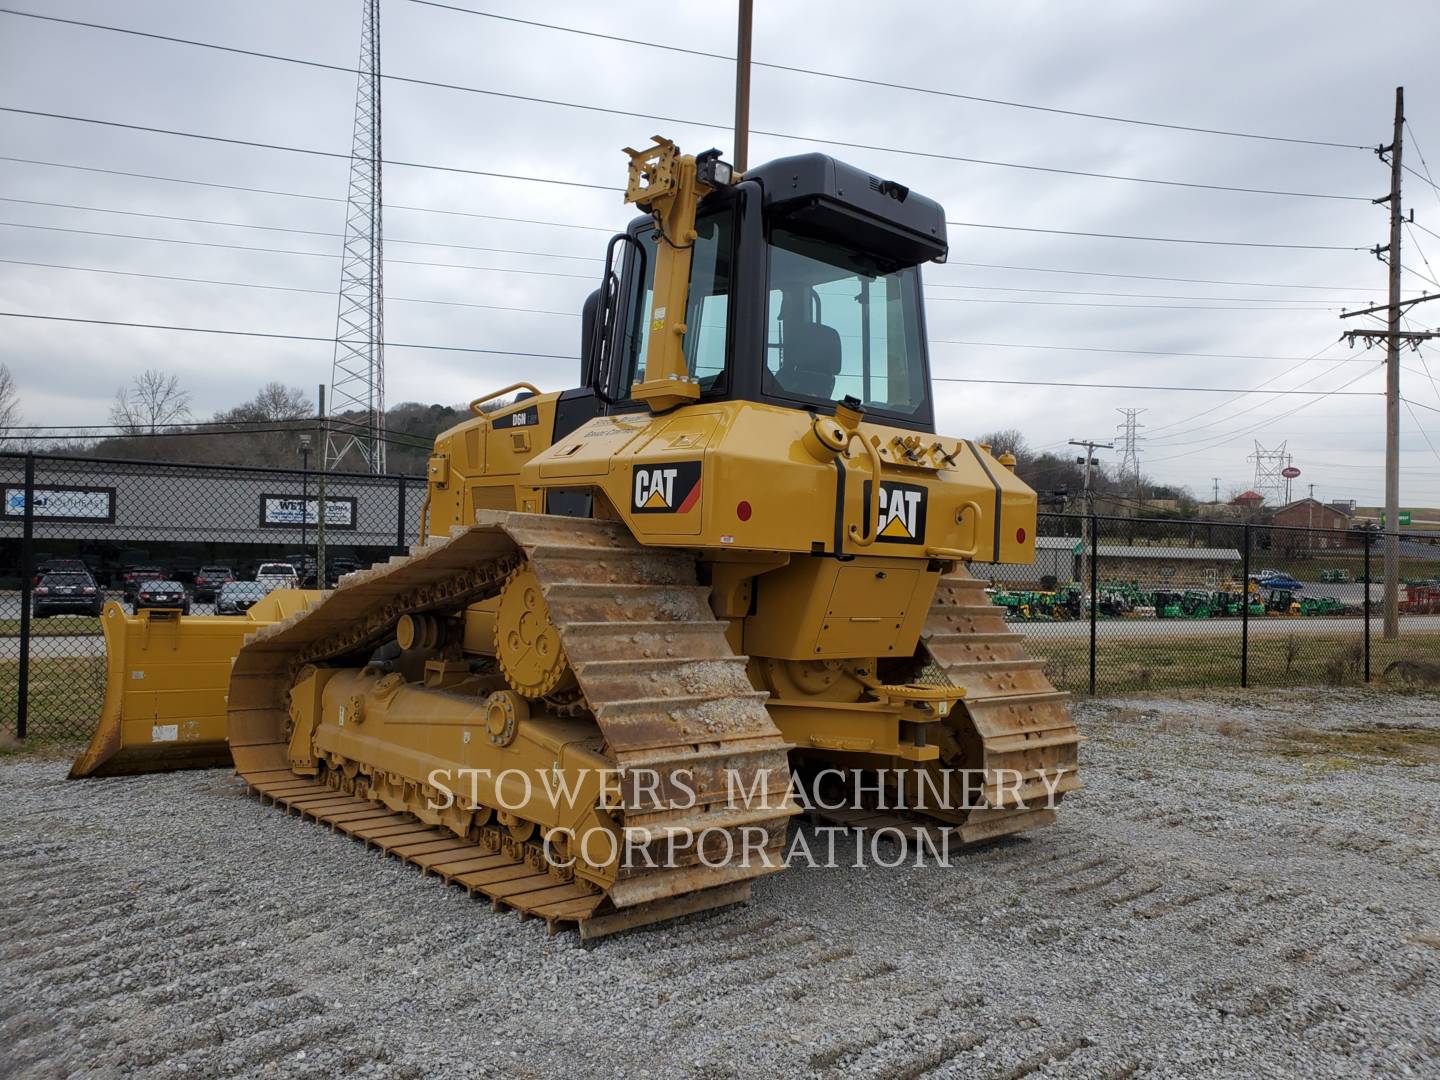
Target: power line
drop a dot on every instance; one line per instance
(283, 288)
(1340, 391)
(1420, 405)
(275, 336)
(1423, 257)
(1152, 277)
(286, 229)
(1093, 304)
(571, 314)
(557, 356)
(1419, 175)
(1123, 352)
(1434, 188)
(678, 120)
(332, 154)
(538, 254)
(1156, 239)
(1259, 388)
(303, 195)
(1139, 296)
(893, 85)
(1133, 386)
(1169, 442)
(597, 228)
(286, 251)
(1420, 428)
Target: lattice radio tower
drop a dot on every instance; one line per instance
(1268, 467)
(356, 410)
(1130, 439)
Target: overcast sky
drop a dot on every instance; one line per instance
(1323, 71)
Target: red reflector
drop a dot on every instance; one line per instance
(742, 511)
(1019, 536)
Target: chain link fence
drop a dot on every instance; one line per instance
(76, 533)
(1111, 604)
(1190, 603)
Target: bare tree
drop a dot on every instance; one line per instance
(153, 400)
(280, 402)
(9, 405)
(1006, 441)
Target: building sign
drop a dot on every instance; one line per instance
(291, 511)
(62, 503)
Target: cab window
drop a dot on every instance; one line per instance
(707, 315)
(838, 325)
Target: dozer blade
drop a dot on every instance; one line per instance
(167, 677)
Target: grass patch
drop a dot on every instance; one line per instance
(66, 694)
(1168, 662)
(54, 626)
(1410, 747)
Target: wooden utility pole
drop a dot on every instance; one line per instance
(1391, 559)
(742, 86)
(1393, 337)
(1088, 461)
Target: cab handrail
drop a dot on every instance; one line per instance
(475, 405)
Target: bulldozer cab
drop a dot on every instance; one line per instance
(804, 289)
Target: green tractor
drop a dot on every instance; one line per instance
(1169, 605)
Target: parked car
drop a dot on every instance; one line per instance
(277, 575)
(162, 594)
(209, 581)
(335, 569)
(236, 597)
(66, 594)
(135, 576)
(61, 566)
(1274, 579)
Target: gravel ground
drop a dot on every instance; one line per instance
(1248, 886)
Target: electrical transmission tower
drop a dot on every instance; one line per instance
(1130, 447)
(355, 420)
(1270, 480)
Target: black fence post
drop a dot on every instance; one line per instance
(400, 523)
(1245, 607)
(1094, 594)
(27, 575)
(1368, 536)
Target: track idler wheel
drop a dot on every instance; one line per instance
(527, 645)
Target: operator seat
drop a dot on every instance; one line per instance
(809, 360)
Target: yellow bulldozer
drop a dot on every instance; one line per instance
(645, 613)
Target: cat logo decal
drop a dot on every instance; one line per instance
(672, 487)
(902, 513)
